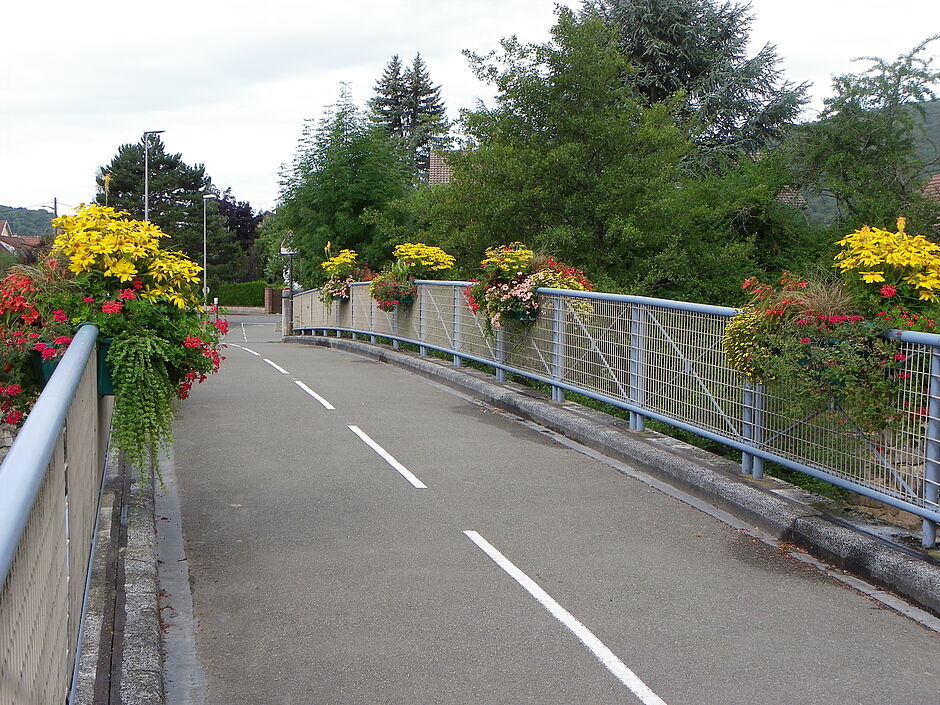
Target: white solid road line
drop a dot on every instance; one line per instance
(384, 454)
(276, 366)
(595, 645)
(326, 404)
(244, 333)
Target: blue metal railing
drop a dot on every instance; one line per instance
(50, 483)
(662, 359)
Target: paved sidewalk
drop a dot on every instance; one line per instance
(356, 534)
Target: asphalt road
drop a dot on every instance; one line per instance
(358, 535)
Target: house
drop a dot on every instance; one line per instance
(438, 171)
(21, 247)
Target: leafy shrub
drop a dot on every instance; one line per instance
(240, 293)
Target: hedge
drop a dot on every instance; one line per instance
(239, 293)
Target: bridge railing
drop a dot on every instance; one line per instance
(49, 490)
(663, 360)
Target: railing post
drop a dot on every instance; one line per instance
(932, 468)
(372, 338)
(458, 332)
(422, 322)
(760, 406)
(558, 346)
(500, 354)
(747, 426)
(395, 344)
(637, 386)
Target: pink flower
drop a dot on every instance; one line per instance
(128, 294)
(887, 290)
(803, 321)
(112, 306)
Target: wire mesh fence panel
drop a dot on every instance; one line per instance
(891, 460)
(409, 320)
(528, 343)
(437, 310)
(596, 346)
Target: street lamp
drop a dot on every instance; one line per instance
(206, 197)
(147, 135)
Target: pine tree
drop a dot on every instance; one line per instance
(409, 107)
(388, 104)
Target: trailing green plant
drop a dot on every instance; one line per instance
(143, 412)
(395, 284)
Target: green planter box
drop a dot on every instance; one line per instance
(45, 368)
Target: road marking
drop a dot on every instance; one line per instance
(595, 645)
(326, 404)
(276, 366)
(248, 350)
(386, 456)
(244, 333)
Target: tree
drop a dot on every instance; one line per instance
(243, 224)
(409, 107)
(861, 152)
(344, 167)
(733, 103)
(175, 203)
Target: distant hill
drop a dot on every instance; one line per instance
(24, 221)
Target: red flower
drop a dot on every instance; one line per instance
(59, 315)
(112, 306)
(804, 340)
(887, 290)
(128, 294)
(192, 341)
(138, 283)
(40, 347)
(13, 417)
(62, 340)
(48, 352)
(89, 299)
(13, 390)
(900, 356)
(803, 321)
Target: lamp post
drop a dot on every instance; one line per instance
(287, 312)
(206, 197)
(147, 135)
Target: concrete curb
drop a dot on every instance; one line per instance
(706, 476)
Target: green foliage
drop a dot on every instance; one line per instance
(344, 168)
(244, 226)
(143, 411)
(866, 151)
(25, 221)
(240, 293)
(697, 50)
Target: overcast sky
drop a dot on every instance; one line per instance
(231, 83)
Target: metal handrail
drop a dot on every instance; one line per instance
(25, 465)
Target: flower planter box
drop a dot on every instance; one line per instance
(45, 368)
(521, 316)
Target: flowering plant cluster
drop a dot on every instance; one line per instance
(511, 275)
(824, 341)
(395, 285)
(109, 270)
(343, 271)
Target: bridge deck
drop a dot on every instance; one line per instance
(481, 561)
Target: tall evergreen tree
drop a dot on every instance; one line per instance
(734, 103)
(176, 203)
(409, 107)
(243, 224)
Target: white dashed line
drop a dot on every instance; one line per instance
(384, 454)
(276, 366)
(594, 645)
(248, 350)
(324, 402)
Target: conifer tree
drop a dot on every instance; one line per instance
(409, 107)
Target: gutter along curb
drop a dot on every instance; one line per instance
(711, 478)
